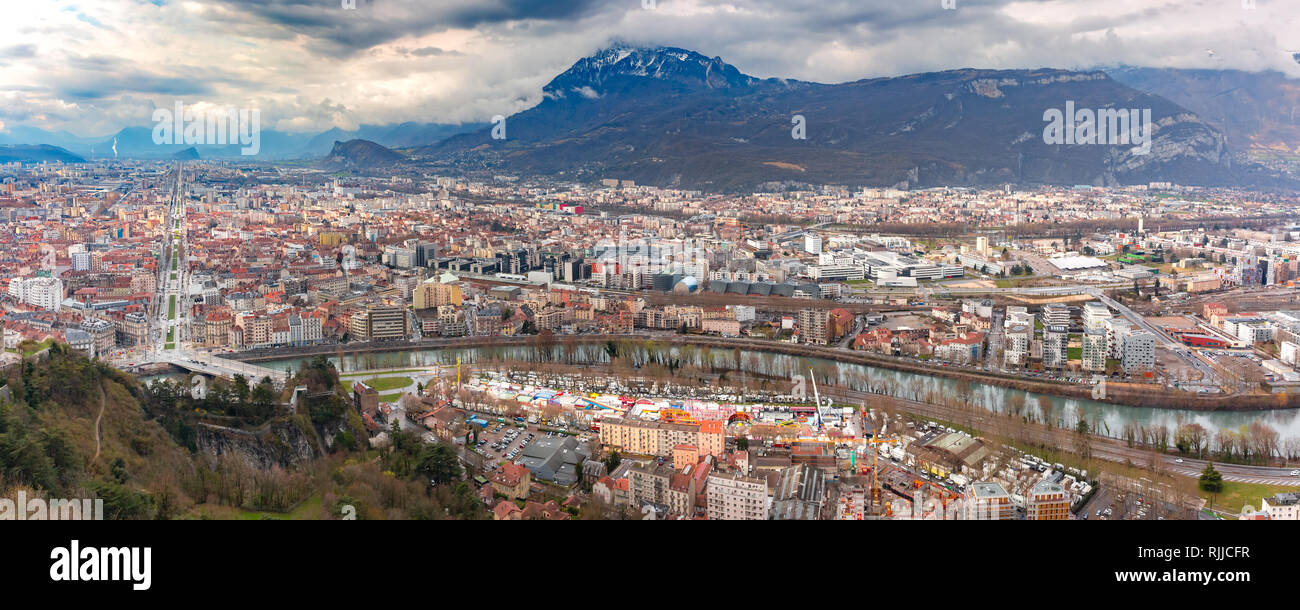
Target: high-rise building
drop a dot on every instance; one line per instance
(812, 244)
(1055, 341)
(1018, 338)
(1116, 329)
(1094, 350)
(1095, 314)
(814, 326)
(426, 254)
(380, 323)
(1139, 352)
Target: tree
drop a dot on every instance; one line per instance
(1211, 480)
(742, 443)
(612, 461)
(118, 470)
(439, 463)
(1083, 441)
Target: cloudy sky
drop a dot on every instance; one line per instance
(94, 66)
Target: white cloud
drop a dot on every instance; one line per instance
(94, 66)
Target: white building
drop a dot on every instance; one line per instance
(1255, 332)
(736, 497)
(812, 244)
(43, 292)
(1094, 350)
(1284, 506)
(1055, 341)
(81, 261)
(744, 313)
(1055, 314)
(1116, 329)
(1095, 314)
(1139, 352)
(1018, 314)
(1289, 352)
(1018, 339)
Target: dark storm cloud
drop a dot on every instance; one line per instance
(337, 31)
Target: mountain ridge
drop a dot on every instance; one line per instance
(671, 117)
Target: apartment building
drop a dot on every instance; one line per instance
(1095, 315)
(104, 334)
(380, 323)
(42, 292)
(988, 502)
(1138, 352)
(1094, 350)
(1116, 330)
(512, 481)
(431, 294)
(1047, 501)
(1255, 331)
(132, 329)
(643, 437)
(814, 326)
(1055, 314)
(733, 496)
(649, 483)
(1018, 338)
(1055, 341)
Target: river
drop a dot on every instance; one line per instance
(1110, 418)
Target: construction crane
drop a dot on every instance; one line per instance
(875, 467)
(817, 401)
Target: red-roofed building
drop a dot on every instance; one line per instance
(512, 481)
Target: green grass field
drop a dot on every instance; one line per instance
(364, 373)
(384, 384)
(394, 397)
(171, 309)
(1235, 495)
(31, 347)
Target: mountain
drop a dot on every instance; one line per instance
(1254, 110)
(22, 134)
(24, 153)
(359, 155)
(674, 117)
(189, 154)
(394, 136)
(137, 142)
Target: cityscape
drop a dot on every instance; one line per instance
(641, 284)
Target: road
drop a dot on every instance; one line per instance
(1187, 355)
(169, 290)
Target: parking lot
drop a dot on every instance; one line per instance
(505, 441)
